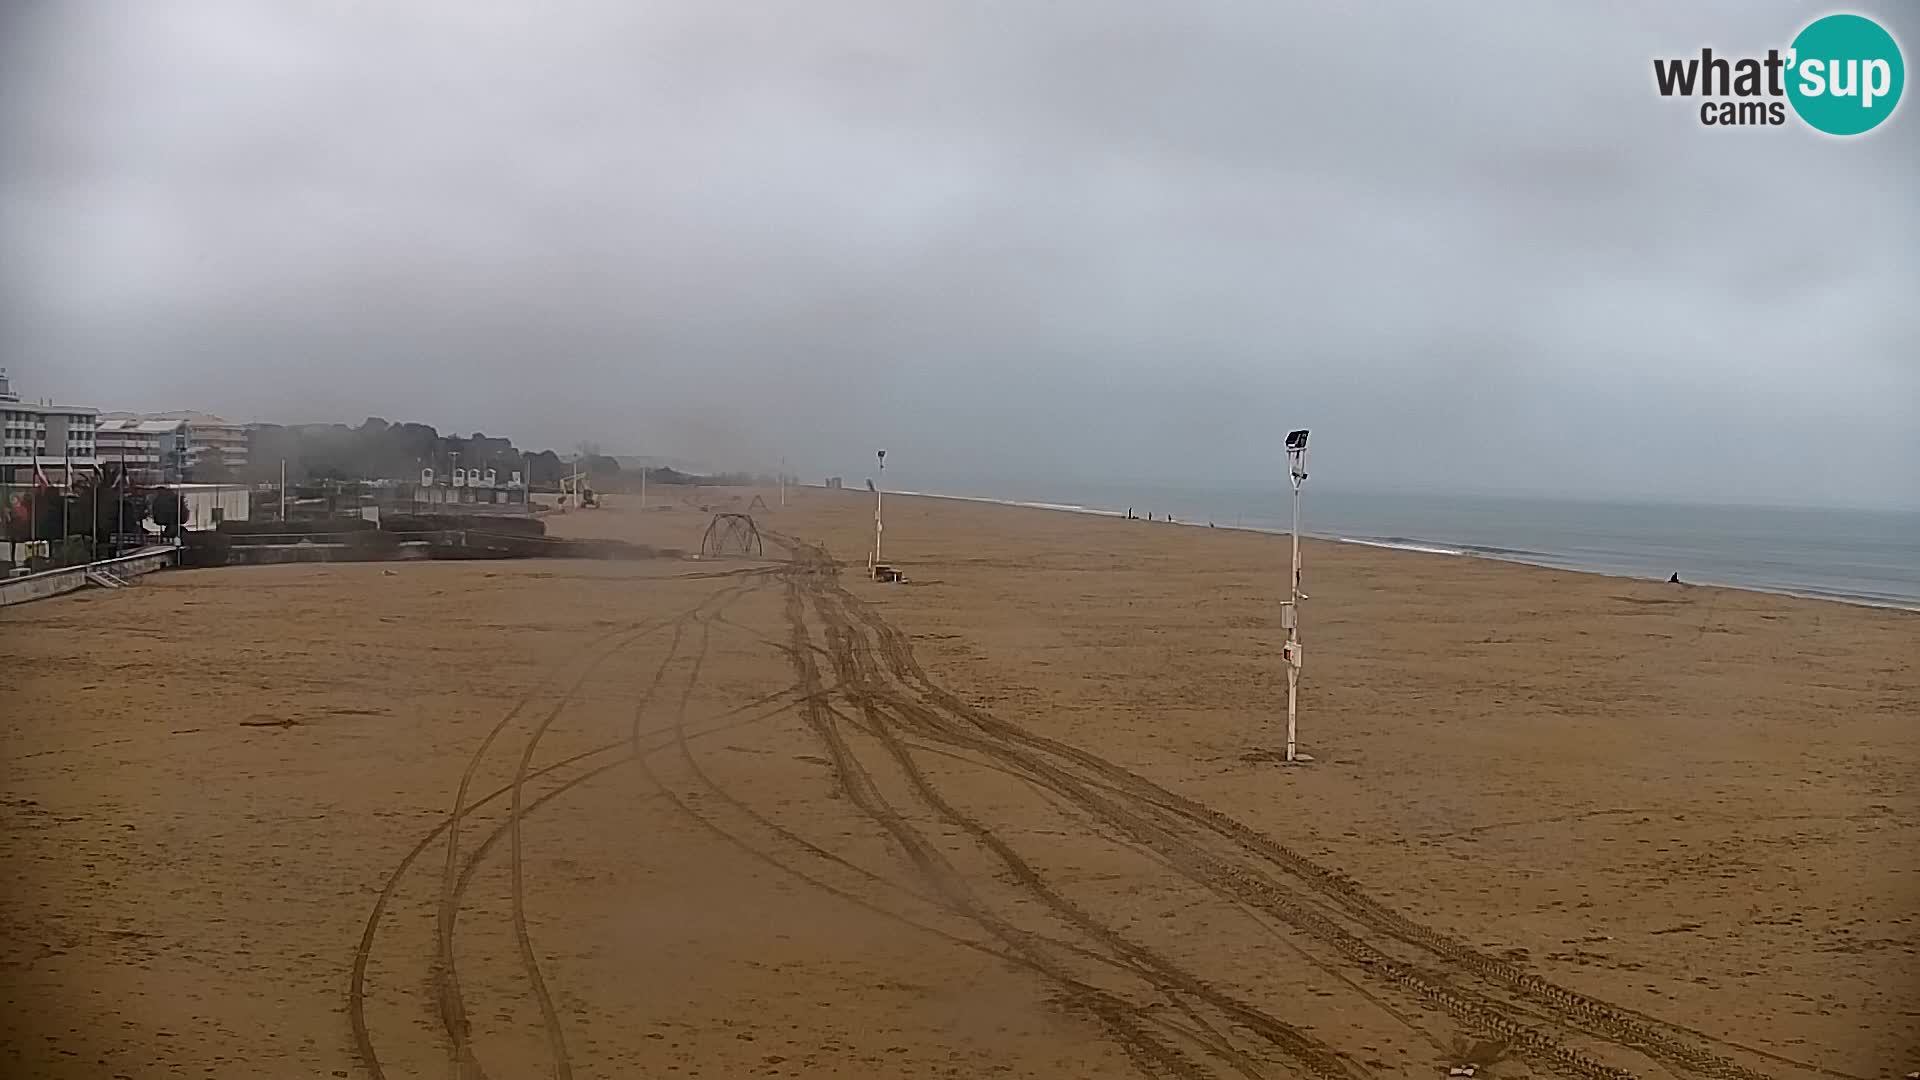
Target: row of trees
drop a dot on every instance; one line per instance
(377, 449)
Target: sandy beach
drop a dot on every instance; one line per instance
(1017, 816)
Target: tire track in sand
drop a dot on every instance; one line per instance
(529, 961)
(1200, 1031)
(944, 714)
(363, 953)
(1485, 1016)
(1200, 868)
(1149, 1053)
(452, 1007)
(853, 671)
(444, 981)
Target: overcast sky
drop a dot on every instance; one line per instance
(1467, 244)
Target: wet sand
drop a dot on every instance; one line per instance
(1015, 817)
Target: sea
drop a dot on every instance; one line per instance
(1857, 556)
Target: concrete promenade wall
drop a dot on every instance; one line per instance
(66, 579)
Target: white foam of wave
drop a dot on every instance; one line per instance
(1397, 546)
(1071, 508)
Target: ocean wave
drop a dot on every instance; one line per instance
(1399, 543)
(1070, 508)
(1846, 596)
(1505, 552)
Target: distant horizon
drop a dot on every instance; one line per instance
(1364, 490)
(806, 474)
(757, 463)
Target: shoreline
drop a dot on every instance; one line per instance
(1415, 545)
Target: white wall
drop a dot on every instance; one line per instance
(233, 501)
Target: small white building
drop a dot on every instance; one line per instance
(207, 505)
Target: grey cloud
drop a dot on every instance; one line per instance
(1105, 239)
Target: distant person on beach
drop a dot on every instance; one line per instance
(1675, 579)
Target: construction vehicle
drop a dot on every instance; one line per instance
(575, 491)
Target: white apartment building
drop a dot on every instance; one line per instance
(147, 449)
(58, 440)
(191, 444)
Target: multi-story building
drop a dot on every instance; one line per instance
(55, 440)
(211, 441)
(194, 445)
(147, 449)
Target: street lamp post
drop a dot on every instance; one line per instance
(1290, 610)
(879, 486)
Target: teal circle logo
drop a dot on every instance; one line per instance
(1845, 74)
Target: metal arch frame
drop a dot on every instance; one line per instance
(732, 526)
